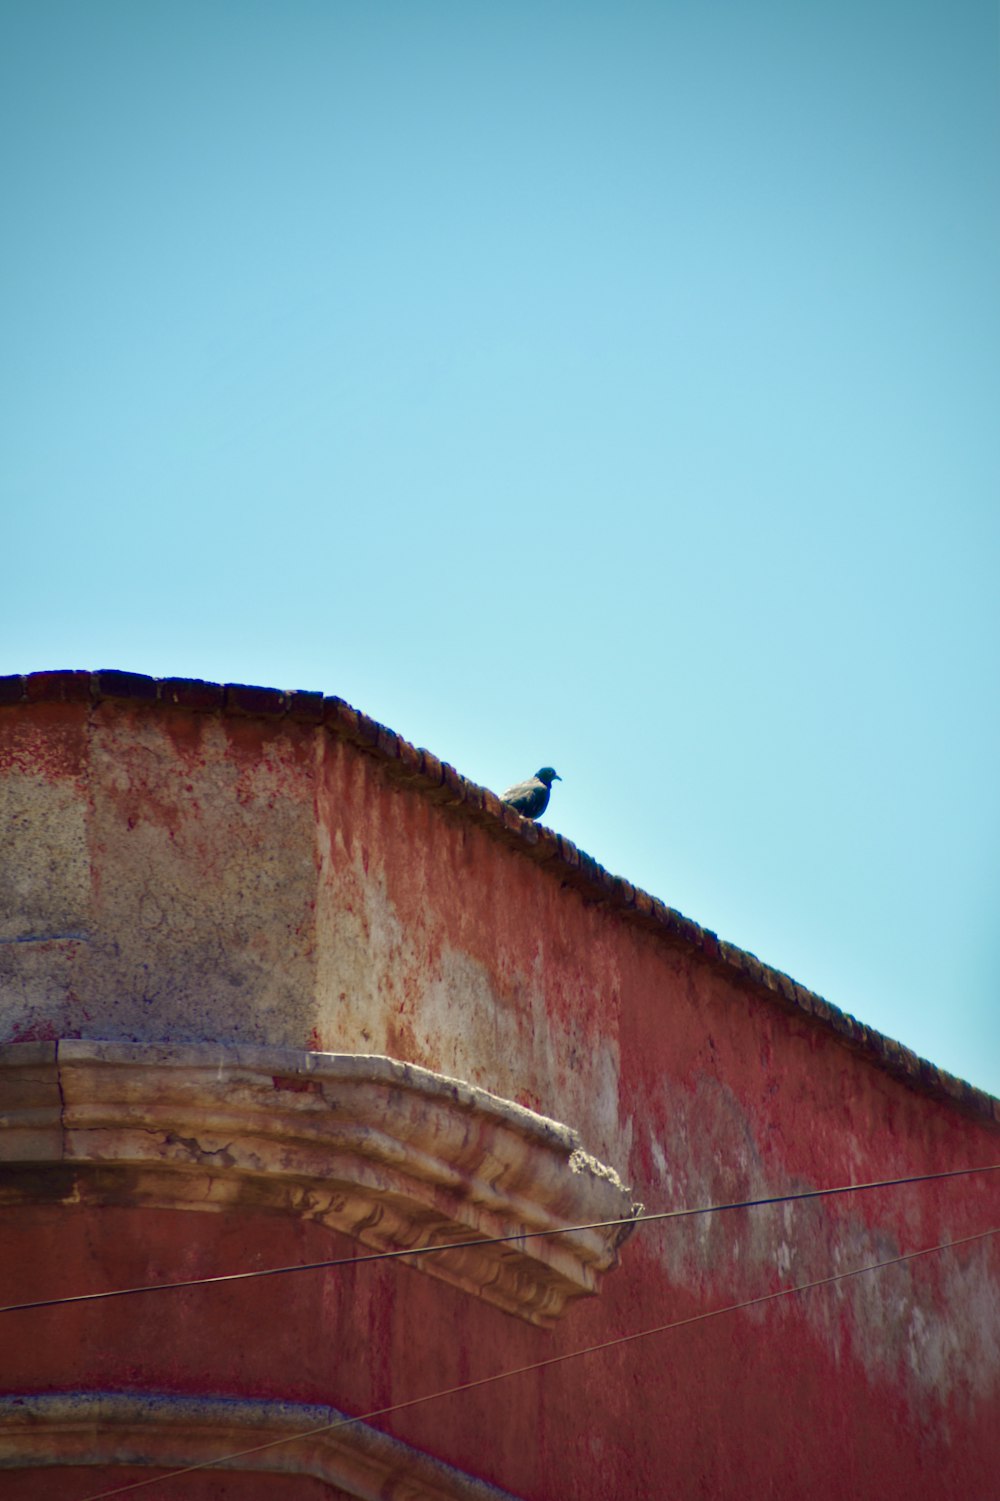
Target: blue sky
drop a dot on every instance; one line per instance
(609, 386)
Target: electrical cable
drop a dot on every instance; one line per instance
(537, 1365)
(495, 1240)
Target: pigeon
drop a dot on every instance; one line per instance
(531, 798)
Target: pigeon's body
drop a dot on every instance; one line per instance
(531, 798)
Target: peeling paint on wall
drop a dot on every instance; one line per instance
(177, 876)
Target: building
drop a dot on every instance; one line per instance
(278, 988)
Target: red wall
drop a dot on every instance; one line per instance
(698, 1088)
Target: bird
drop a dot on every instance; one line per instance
(531, 798)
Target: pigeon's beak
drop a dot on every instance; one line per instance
(557, 777)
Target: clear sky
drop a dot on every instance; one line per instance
(614, 386)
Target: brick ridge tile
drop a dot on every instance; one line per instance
(441, 783)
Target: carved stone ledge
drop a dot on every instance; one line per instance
(389, 1153)
(115, 1428)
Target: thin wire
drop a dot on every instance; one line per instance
(496, 1240)
(537, 1365)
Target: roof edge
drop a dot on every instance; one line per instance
(442, 784)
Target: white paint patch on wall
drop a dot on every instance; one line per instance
(935, 1319)
(45, 869)
(386, 986)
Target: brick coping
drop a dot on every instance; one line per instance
(442, 784)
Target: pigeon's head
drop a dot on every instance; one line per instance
(548, 776)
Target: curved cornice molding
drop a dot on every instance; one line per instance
(157, 1429)
(391, 1154)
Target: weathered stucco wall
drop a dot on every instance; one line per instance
(192, 874)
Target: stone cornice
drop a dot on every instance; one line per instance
(58, 1429)
(442, 784)
(389, 1153)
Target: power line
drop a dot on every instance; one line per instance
(537, 1365)
(495, 1240)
